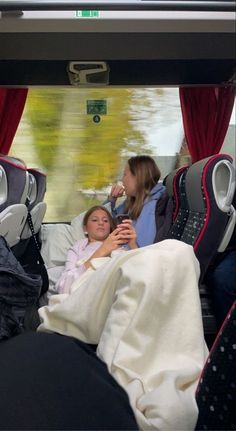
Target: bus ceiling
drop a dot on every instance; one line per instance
(64, 5)
(141, 42)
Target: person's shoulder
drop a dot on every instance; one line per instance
(80, 244)
(148, 209)
(157, 191)
(93, 245)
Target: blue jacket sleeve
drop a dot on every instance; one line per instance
(145, 224)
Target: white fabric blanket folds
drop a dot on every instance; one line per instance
(143, 310)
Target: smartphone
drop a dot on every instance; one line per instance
(122, 217)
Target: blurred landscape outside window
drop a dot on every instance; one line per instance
(82, 158)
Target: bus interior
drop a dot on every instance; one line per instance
(97, 82)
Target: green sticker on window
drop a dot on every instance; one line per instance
(97, 107)
(87, 14)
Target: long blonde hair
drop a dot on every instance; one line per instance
(147, 174)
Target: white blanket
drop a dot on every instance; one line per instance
(143, 310)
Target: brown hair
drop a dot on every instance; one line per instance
(147, 174)
(95, 208)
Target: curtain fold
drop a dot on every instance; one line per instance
(206, 113)
(12, 102)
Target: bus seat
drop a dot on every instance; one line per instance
(36, 206)
(27, 251)
(171, 209)
(215, 393)
(232, 242)
(202, 196)
(220, 278)
(210, 186)
(202, 206)
(227, 200)
(175, 185)
(14, 181)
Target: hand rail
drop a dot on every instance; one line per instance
(121, 5)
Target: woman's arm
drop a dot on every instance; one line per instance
(114, 241)
(74, 266)
(145, 225)
(128, 232)
(117, 191)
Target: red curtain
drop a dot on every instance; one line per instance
(12, 102)
(206, 113)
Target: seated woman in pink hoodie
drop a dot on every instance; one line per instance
(102, 239)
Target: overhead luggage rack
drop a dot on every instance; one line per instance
(143, 42)
(132, 5)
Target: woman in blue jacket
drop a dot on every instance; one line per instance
(142, 189)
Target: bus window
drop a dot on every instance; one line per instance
(82, 157)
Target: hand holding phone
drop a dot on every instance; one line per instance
(127, 230)
(122, 217)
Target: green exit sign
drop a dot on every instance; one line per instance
(98, 107)
(87, 14)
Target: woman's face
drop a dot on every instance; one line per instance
(98, 226)
(129, 181)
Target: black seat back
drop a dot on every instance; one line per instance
(172, 208)
(180, 203)
(203, 216)
(36, 206)
(13, 191)
(210, 186)
(215, 394)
